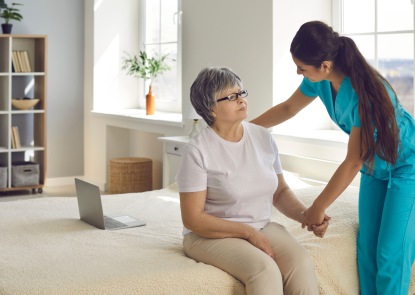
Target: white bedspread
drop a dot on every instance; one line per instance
(46, 249)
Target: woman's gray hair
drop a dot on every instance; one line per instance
(209, 83)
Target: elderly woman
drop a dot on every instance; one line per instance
(228, 181)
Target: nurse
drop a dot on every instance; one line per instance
(381, 146)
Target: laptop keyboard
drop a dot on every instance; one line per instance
(112, 223)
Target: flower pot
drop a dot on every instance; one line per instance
(150, 103)
(7, 28)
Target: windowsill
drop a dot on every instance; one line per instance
(332, 138)
(139, 115)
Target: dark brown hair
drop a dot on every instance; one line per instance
(316, 42)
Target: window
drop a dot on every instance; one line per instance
(161, 34)
(384, 32)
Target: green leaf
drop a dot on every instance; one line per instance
(142, 66)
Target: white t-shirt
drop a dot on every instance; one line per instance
(240, 177)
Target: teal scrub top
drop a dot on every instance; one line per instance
(346, 115)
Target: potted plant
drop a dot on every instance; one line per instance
(8, 14)
(148, 69)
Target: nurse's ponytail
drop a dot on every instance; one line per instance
(316, 42)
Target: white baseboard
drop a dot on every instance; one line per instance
(62, 181)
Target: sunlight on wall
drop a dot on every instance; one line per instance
(29, 155)
(314, 116)
(29, 86)
(97, 4)
(286, 77)
(106, 77)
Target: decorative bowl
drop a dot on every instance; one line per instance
(24, 104)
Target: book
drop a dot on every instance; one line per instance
(21, 62)
(17, 137)
(26, 55)
(16, 62)
(13, 139)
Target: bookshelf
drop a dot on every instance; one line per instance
(32, 122)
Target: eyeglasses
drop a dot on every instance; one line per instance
(235, 96)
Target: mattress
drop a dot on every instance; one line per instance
(46, 249)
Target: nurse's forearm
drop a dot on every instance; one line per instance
(274, 116)
(341, 179)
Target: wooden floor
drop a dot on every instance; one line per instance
(60, 191)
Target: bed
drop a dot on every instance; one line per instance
(46, 249)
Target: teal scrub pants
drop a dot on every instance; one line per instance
(386, 238)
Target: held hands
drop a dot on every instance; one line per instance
(316, 220)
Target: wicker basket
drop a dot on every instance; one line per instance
(130, 175)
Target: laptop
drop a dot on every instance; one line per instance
(90, 209)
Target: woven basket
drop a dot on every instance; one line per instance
(130, 175)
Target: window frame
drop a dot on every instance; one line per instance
(338, 25)
(166, 106)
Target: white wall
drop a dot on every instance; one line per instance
(117, 29)
(63, 22)
(234, 33)
(145, 144)
(287, 20)
(209, 39)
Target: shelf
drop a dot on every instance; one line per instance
(27, 112)
(28, 74)
(31, 123)
(28, 148)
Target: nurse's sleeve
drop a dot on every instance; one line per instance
(277, 162)
(192, 176)
(307, 88)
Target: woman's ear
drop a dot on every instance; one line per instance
(326, 66)
(213, 112)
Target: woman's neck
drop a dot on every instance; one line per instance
(232, 132)
(336, 78)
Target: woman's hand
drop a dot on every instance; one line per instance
(261, 242)
(313, 216)
(320, 230)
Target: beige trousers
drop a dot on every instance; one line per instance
(291, 272)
